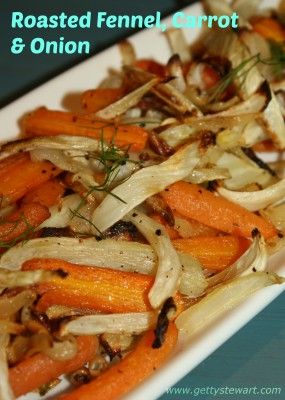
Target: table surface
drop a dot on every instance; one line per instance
(255, 355)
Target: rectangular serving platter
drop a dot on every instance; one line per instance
(86, 75)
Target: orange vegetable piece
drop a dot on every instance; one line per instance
(192, 201)
(172, 233)
(48, 193)
(197, 228)
(44, 122)
(94, 100)
(19, 174)
(93, 288)
(264, 146)
(27, 217)
(214, 252)
(120, 378)
(210, 76)
(151, 66)
(269, 28)
(39, 369)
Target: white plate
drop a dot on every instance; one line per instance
(149, 43)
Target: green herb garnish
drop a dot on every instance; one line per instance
(238, 72)
(77, 214)
(277, 61)
(110, 159)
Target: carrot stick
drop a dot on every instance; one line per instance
(80, 298)
(210, 76)
(216, 252)
(93, 288)
(269, 28)
(172, 233)
(18, 175)
(23, 221)
(195, 228)
(44, 122)
(39, 369)
(8, 162)
(120, 378)
(264, 146)
(95, 100)
(192, 201)
(151, 66)
(48, 193)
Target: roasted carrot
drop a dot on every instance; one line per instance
(172, 233)
(264, 146)
(194, 228)
(151, 66)
(13, 160)
(192, 201)
(269, 28)
(214, 252)
(80, 298)
(93, 288)
(120, 378)
(96, 99)
(44, 122)
(47, 194)
(210, 76)
(18, 175)
(39, 369)
(23, 221)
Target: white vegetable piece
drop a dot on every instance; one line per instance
(128, 101)
(257, 200)
(274, 122)
(222, 299)
(115, 254)
(169, 267)
(254, 259)
(143, 184)
(110, 323)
